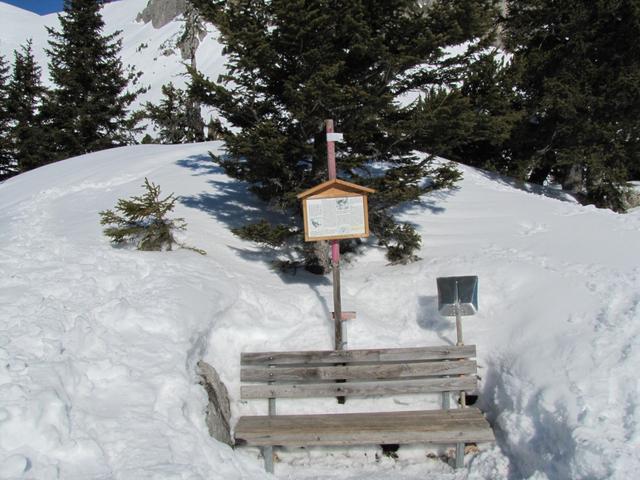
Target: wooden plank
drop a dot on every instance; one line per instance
(351, 421)
(359, 356)
(426, 385)
(450, 426)
(344, 316)
(357, 372)
(465, 433)
(344, 185)
(348, 421)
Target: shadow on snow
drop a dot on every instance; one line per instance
(428, 318)
(555, 193)
(551, 447)
(231, 203)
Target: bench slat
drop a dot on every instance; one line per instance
(382, 387)
(260, 424)
(433, 426)
(349, 356)
(357, 372)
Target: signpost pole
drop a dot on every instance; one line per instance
(463, 395)
(340, 337)
(458, 316)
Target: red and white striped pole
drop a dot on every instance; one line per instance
(331, 166)
(340, 339)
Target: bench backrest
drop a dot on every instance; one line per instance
(360, 372)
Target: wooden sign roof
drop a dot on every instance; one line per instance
(338, 185)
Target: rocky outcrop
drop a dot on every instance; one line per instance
(192, 33)
(192, 30)
(218, 410)
(161, 12)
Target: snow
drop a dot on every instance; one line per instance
(143, 47)
(98, 345)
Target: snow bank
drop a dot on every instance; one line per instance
(98, 345)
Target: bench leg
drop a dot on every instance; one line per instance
(446, 401)
(459, 455)
(267, 453)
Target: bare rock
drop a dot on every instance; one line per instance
(192, 30)
(218, 410)
(161, 12)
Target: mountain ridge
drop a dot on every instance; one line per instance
(150, 50)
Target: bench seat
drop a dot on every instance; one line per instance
(447, 370)
(425, 426)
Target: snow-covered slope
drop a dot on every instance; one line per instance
(98, 344)
(148, 50)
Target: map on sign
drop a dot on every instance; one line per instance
(329, 217)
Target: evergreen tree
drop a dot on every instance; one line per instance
(214, 129)
(175, 118)
(578, 70)
(88, 106)
(25, 95)
(194, 126)
(492, 111)
(7, 167)
(142, 220)
(294, 63)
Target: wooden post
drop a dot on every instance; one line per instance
(339, 337)
(337, 306)
(446, 400)
(459, 455)
(458, 317)
(267, 452)
(463, 395)
(331, 152)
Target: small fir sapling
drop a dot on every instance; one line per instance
(141, 220)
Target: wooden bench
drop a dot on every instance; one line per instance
(360, 373)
